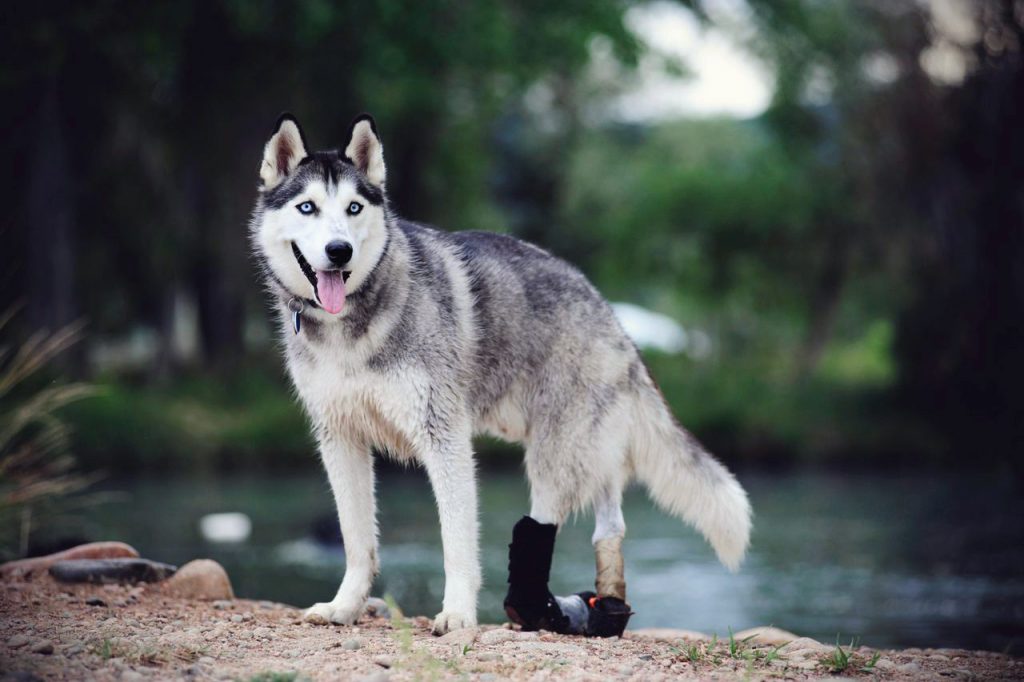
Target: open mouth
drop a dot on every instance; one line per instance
(328, 285)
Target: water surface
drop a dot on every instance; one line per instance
(891, 561)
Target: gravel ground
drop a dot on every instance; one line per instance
(73, 632)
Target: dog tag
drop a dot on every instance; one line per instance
(295, 305)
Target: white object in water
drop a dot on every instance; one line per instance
(649, 329)
(225, 527)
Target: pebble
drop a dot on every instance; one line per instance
(488, 677)
(17, 641)
(352, 644)
(489, 656)
(206, 660)
(95, 601)
(384, 661)
(884, 664)
(498, 636)
(43, 646)
(132, 676)
(460, 638)
(201, 579)
(378, 676)
(237, 618)
(377, 608)
(911, 667)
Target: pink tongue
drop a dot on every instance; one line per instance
(330, 288)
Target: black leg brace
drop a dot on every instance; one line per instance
(530, 603)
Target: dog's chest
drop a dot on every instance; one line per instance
(346, 398)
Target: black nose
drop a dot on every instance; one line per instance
(339, 252)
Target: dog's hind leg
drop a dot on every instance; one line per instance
(609, 529)
(529, 602)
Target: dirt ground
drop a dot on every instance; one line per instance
(74, 632)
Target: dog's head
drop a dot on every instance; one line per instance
(320, 222)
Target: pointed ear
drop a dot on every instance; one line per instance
(365, 150)
(284, 150)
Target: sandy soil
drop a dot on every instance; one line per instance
(54, 631)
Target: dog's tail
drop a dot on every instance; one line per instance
(685, 480)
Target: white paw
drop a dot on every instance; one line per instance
(446, 621)
(339, 613)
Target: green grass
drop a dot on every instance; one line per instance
(840, 659)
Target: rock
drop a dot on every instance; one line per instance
(766, 635)
(43, 646)
(460, 638)
(378, 676)
(911, 667)
(804, 646)
(377, 608)
(352, 644)
(667, 635)
(17, 641)
(384, 661)
(221, 604)
(95, 601)
(200, 579)
(489, 656)
(488, 677)
(884, 664)
(25, 568)
(498, 636)
(237, 618)
(132, 676)
(110, 571)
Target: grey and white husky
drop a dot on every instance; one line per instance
(409, 340)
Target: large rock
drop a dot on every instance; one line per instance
(111, 571)
(27, 568)
(200, 579)
(668, 635)
(765, 635)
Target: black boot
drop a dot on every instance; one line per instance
(606, 616)
(529, 602)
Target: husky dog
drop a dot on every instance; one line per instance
(410, 340)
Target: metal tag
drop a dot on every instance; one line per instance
(296, 306)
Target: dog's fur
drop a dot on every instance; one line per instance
(445, 335)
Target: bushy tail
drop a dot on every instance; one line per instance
(686, 481)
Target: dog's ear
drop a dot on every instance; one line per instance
(365, 150)
(285, 148)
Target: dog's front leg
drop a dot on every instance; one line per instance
(453, 478)
(350, 471)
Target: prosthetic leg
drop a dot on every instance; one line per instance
(530, 603)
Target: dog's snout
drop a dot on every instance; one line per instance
(339, 252)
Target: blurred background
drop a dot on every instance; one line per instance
(809, 214)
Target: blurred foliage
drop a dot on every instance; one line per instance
(852, 253)
(37, 478)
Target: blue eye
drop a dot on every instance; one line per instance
(354, 208)
(306, 208)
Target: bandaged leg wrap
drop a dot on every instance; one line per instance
(529, 602)
(611, 578)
